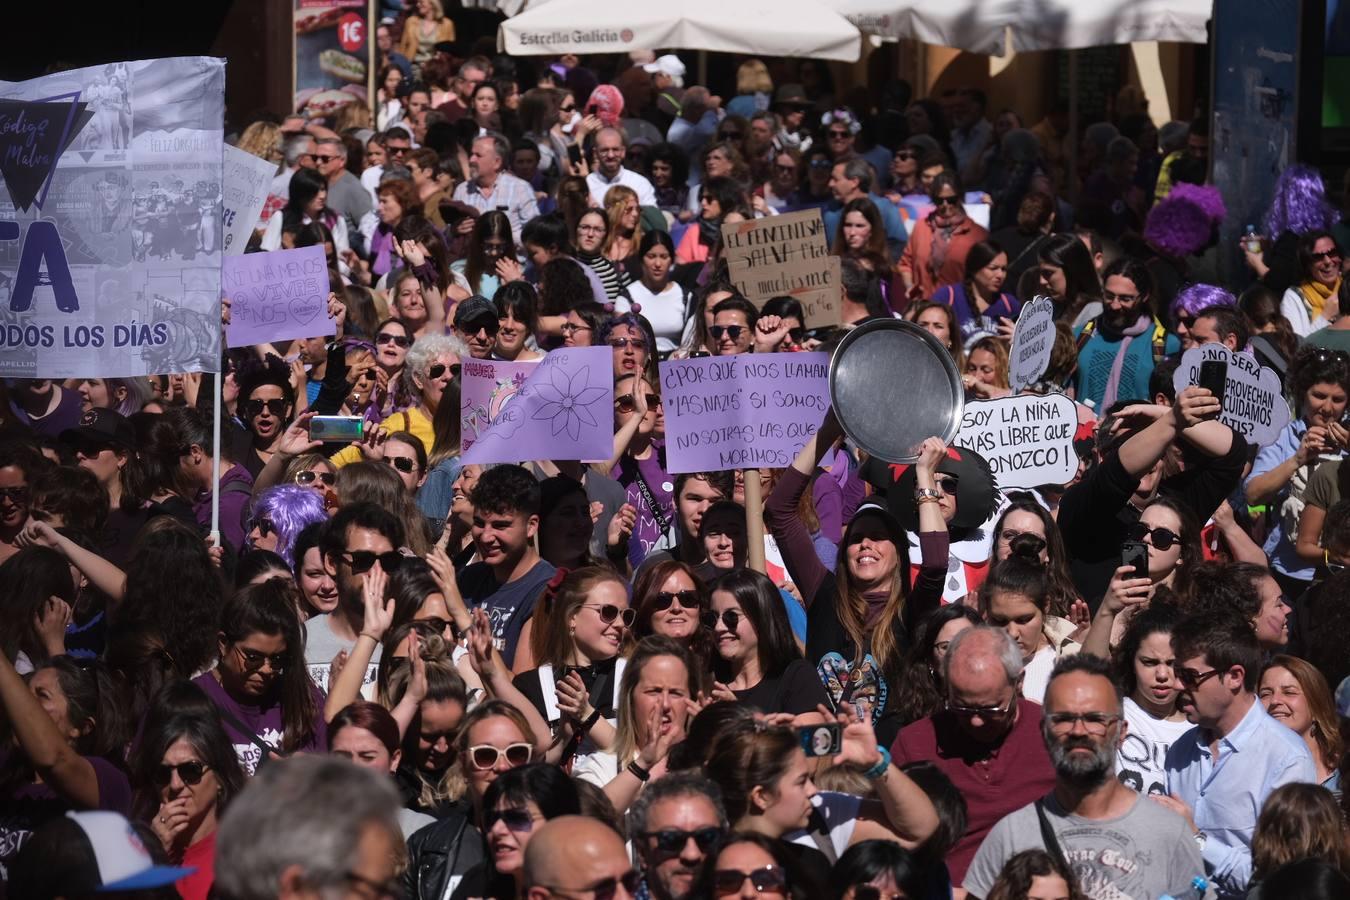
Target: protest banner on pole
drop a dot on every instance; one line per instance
(111, 260)
(247, 182)
(1033, 342)
(334, 55)
(1027, 440)
(785, 255)
(740, 412)
(564, 409)
(485, 387)
(1253, 400)
(276, 296)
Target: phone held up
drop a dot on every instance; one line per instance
(1214, 377)
(821, 740)
(1135, 555)
(337, 428)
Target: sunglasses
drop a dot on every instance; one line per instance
(731, 618)
(671, 841)
(947, 485)
(397, 151)
(838, 135)
(362, 560)
(15, 495)
(872, 892)
(1325, 255)
(768, 878)
(608, 612)
(324, 158)
(686, 599)
(821, 164)
(255, 407)
(307, 478)
(626, 402)
(1160, 538)
(605, 889)
(485, 756)
(518, 820)
(398, 340)
(438, 370)
(1191, 679)
(402, 463)
(189, 773)
(570, 108)
(620, 343)
(731, 331)
(906, 155)
(253, 660)
(490, 326)
(797, 335)
(568, 328)
(266, 527)
(946, 201)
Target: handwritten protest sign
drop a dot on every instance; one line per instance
(110, 259)
(785, 255)
(485, 387)
(247, 181)
(738, 412)
(1032, 343)
(1028, 439)
(1253, 401)
(276, 296)
(564, 409)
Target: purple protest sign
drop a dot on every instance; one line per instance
(564, 409)
(740, 412)
(485, 387)
(276, 296)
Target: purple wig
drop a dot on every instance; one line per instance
(1195, 297)
(1205, 196)
(1178, 227)
(290, 508)
(1300, 203)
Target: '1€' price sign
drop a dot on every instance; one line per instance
(741, 412)
(1028, 440)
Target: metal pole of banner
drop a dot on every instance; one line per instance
(215, 463)
(754, 520)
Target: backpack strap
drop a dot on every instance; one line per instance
(1159, 342)
(1086, 334)
(1049, 839)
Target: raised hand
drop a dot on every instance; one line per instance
(417, 684)
(379, 611)
(480, 646)
(573, 698)
(621, 526)
(295, 439)
(171, 821)
(1125, 590)
(51, 621)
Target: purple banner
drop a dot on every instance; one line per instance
(742, 412)
(563, 409)
(276, 296)
(486, 386)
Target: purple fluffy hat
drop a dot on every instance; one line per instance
(1183, 223)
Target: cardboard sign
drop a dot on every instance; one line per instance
(1253, 401)
(1028, 440)
(111, 238)
(785, 255)
(1032, 343)
(247, 181)
(563, 410)
(276, 296)
(485, 387)
(739, 412)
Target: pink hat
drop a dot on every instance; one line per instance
(606, 103)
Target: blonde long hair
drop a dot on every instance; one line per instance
(616, 198)
(648, 649)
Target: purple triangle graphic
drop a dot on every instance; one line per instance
(86, 155)
(33, 134)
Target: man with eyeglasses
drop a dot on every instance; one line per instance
(1120, 844)
(397, 142)
(611, 150)
(1220, 773)
(986, 739)
(346, 195)
(476, 323)
(854, 178)
(298, 152)
(578, 858)
(360, 538)
(675, 823)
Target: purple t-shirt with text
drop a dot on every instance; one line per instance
(264, 721)
(648, 535)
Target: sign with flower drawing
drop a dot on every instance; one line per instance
(561, 407)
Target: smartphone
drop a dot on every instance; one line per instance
(1135, 554)
(335, 429)
(1214, 377)
(821, 740)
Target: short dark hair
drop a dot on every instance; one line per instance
(546, 786)
(1160, 379)
(1224, 639)
(1227, 586)
(723, 481)
(1156, 618)
(1088, 665)
(72, 492)
(547, 231)
(369, 516)
(507, 489)
(1228, 321)
(738, 304)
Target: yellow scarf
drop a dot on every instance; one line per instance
(1315, 294)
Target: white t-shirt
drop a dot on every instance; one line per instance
(1139, 761)
(321, 645)
(665, 311)
(1036, 674)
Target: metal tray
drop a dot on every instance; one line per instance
(893, 385)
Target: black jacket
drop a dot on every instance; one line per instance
(448, 848)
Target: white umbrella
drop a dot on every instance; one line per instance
(797, 28)
(1077, 24)
(977, 26)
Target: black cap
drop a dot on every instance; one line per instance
(103, 428)
(473, 309)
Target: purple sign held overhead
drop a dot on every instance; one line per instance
(563, 410)
(276, 296)
(742, 412)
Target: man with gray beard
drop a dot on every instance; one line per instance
(1118, 845)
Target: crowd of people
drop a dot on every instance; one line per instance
(396, 675)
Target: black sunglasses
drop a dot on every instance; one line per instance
(397, 340)
(767, 878)
(608, 612)
(1160, 538)
(731, 618)
(438, 370)
(946, 201)
(1325, 254)
(15, 495)
(664, 599)
(872, 892)
(253, 659)
(731, 331)
(796, 335)
(255, 407)
(189, 773)
(671, 841)
(266, 527)
(308, 477)
(605, 889)
(362, 560)
(484, 324)
(402, 463)
(518, 820)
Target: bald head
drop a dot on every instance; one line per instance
(982, 670)
(573, 854)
